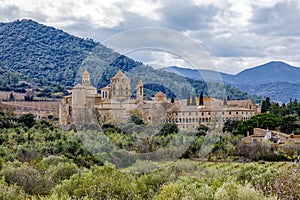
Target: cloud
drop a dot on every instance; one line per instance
(236, 34)
(280, 20)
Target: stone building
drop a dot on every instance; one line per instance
(114, 104)
(275, 139)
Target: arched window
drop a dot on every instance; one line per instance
(120, 90)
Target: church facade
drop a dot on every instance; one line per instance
(114, 104)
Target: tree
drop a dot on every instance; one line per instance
(201, 103)
(263, 107)
(231, 125)
(268, 103)
(135, 119)
(193, 100)
(11, 96)
(202, 130)
(172, 100)
(27, 120)
(225, 102)
(169, 128)
(288, 124)
(188, 102)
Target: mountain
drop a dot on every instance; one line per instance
(199, 74)
(275, 71)
(278, 91)
(278, 80)
(51, 60)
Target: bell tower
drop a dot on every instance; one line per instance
(140, 91)
(120, 87)
(86, 78)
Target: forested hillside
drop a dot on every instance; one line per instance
(48, 59)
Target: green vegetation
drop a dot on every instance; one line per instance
(55, 61)
(284, 118)
(40, 161)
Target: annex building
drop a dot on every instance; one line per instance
(115, 104)
(276, 140)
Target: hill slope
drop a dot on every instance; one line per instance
(49, 58)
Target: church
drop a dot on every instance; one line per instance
(114, 104)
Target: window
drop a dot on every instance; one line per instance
(254, 141)
(237, 113)
(229, 113)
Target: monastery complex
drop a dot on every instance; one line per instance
(115, 104)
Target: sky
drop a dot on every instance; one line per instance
(234, 34)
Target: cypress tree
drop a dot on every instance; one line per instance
(172, 100)
(11, 97)
(201, 103)
(263, 107)
(225, 102)
(193, 100)
(188, 102)
(268, 103)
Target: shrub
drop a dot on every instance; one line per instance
(231, 190)
(185, 188)
(11, 192)
(29, 178)
(99, 183)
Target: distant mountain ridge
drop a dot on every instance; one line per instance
(199, 74)
(275, 71)
(275, 79)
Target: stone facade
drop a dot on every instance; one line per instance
(114, 104)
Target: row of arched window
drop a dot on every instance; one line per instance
(204, 119)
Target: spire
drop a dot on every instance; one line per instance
(86, 78)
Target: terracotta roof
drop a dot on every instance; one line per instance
(120, 74)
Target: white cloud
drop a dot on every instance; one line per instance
(236, 33)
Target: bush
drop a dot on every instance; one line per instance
(185, 188)
(29, 178)
(231, 190)
(11, 192)
(99, 183)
